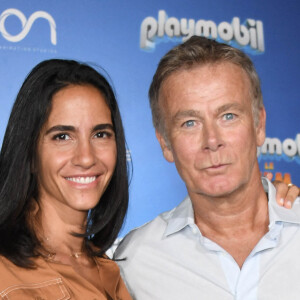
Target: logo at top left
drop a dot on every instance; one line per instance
(26, 24)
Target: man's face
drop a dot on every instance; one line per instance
(209, 124)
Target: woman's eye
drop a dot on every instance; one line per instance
(189, 123)
(228, 116)
(103, 134)
(62, 136)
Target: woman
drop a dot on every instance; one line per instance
(63, 150)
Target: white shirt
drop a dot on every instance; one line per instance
(168, 258)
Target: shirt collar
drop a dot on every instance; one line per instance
(183, 215)
(180, 217)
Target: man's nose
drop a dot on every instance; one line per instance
(212, 137)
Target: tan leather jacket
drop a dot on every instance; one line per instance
(53, 281)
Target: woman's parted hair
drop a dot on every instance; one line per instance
(18, 185)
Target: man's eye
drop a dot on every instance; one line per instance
(62, 136)
(228, 117)
(189, 123)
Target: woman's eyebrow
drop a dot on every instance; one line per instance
(70, 128)
(60, 128)
(103, 126)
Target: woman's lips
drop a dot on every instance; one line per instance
(82, 179)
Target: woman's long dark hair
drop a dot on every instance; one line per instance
(18, 185)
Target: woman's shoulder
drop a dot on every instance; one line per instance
(111, 278)
(16, 274)
(17, 282)
(7, 267)
(108, 266)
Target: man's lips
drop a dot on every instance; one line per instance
(216, 167)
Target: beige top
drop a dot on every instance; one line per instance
(51, 280)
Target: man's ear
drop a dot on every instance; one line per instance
(261, 127)
(167, 152)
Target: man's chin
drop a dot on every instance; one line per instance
(218, 190)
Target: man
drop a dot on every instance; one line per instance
(226, 240)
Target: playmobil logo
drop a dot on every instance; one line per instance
(26, 24)
(250, 34)
(289, 148)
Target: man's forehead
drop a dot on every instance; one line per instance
(188, 79)
(210, 68)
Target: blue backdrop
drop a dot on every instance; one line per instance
(127, 39)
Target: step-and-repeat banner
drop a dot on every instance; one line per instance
(127, 39)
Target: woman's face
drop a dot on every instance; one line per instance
(76, 150)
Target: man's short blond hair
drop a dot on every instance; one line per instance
(199, 51)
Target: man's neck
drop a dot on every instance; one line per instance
(236, 222)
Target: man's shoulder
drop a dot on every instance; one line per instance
(151, 232)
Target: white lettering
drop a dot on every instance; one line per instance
(241, 33)
(274, 146)
(26, 24)
(260, 36)
(225, 31)
(148, 32)
(271, 145)
(172, 27)
(187, 30)
(253, 33)
(161, 23)
(249, 34)
(206, 28)
(289, 147)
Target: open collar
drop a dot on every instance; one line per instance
(183, 215)
(180, 217)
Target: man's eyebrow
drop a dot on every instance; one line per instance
(187, 113)
(60, 128)
(229, 106)
(197, 114)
